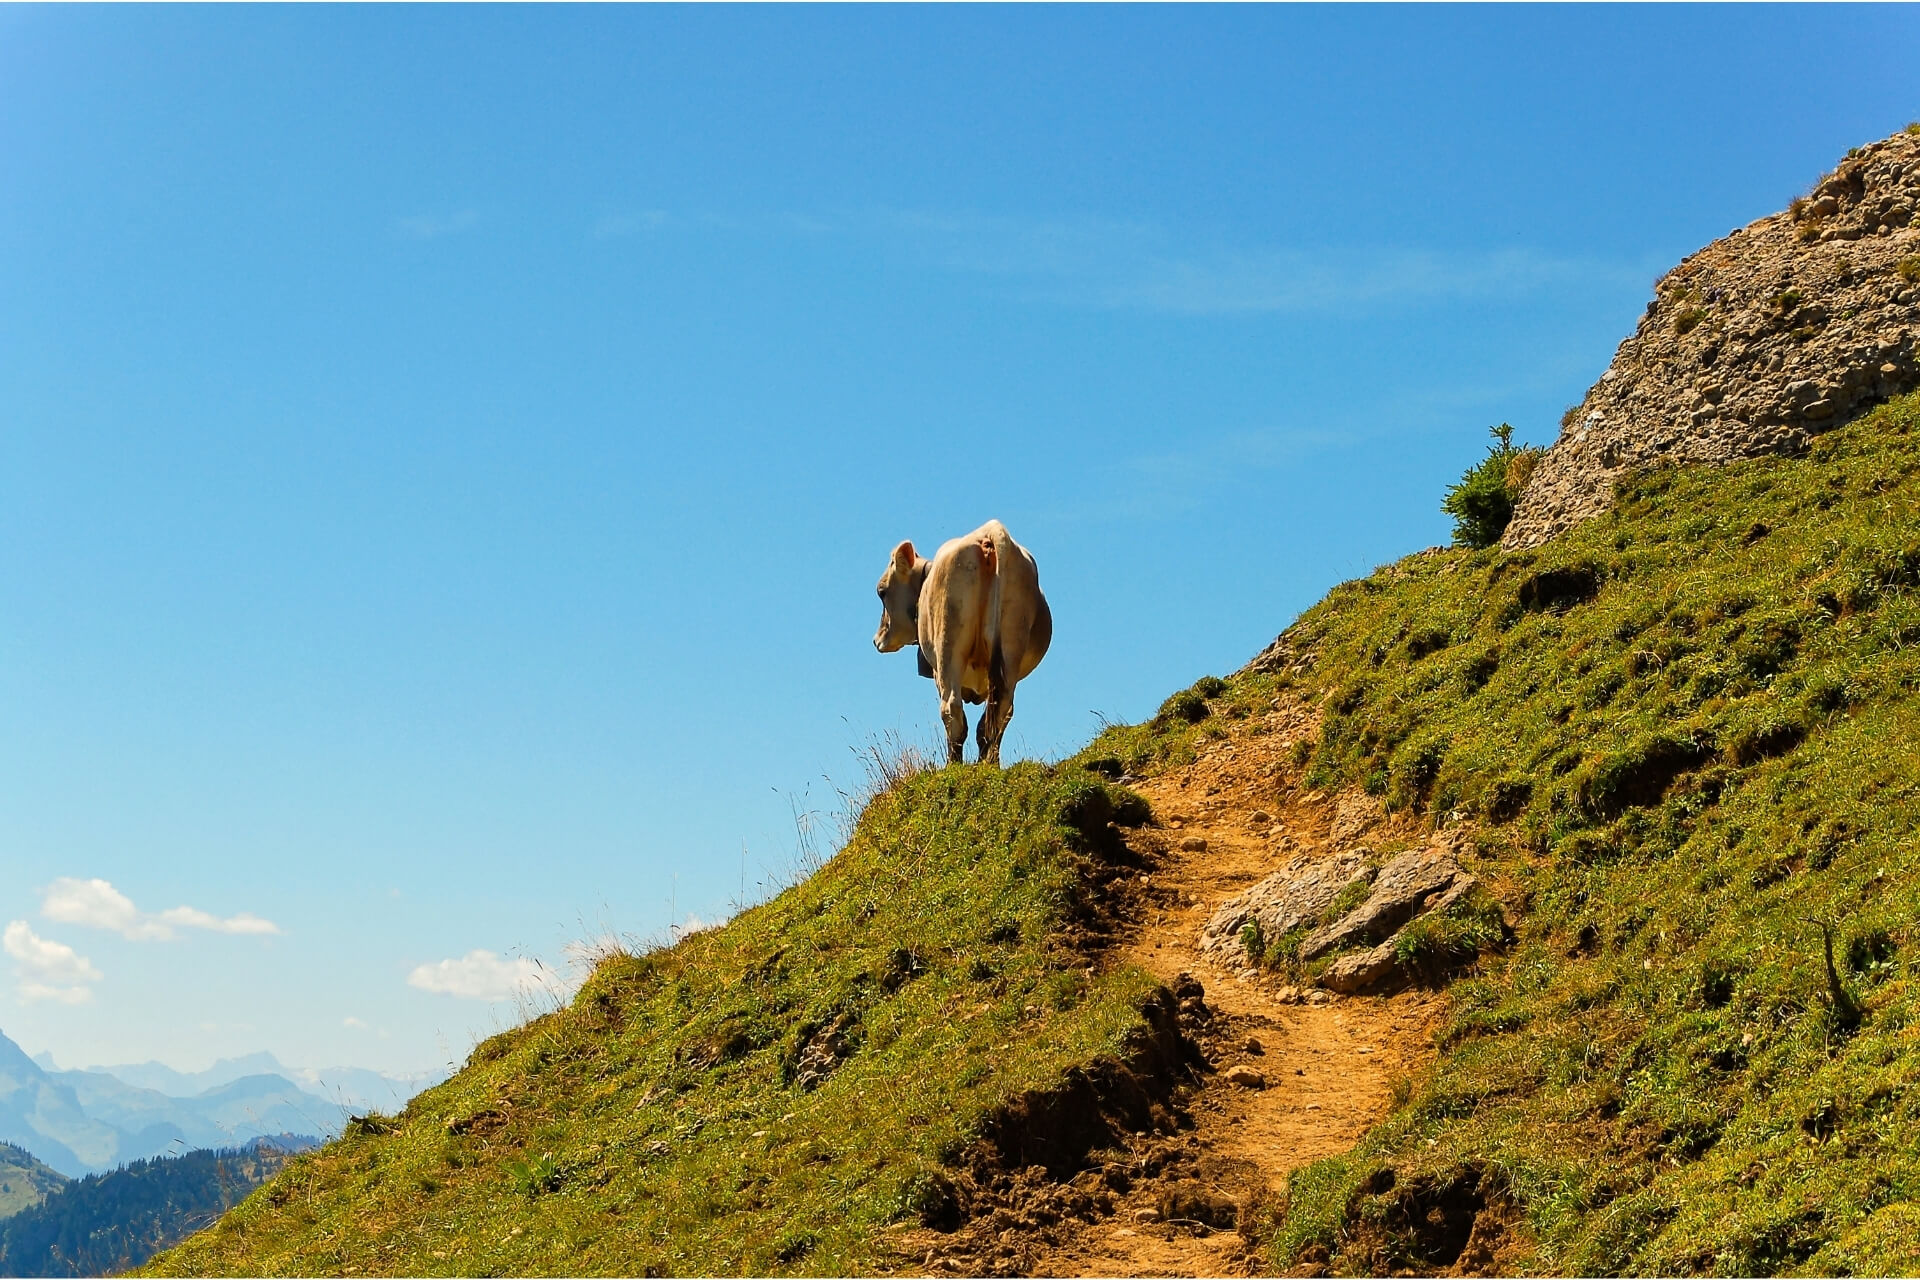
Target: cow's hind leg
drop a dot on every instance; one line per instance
(999, 710)
(953, 712)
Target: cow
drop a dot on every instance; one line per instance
(982, 626)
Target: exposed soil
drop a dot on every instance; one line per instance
(1182, 1196)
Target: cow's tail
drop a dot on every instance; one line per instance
(990, 620)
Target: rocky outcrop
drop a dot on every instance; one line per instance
(1301, 894)
(1294, 897)
(1786, 328)
(1414, 883)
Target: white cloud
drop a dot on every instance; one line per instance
(428, 226)
(482, 975)
(98, 905)
(193, 918)
(48, 970)
(352, 1023)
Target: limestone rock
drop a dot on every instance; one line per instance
(1360, 970)
(1354, 816)
(1788, 327)
(1415, 882)
(1297, 894)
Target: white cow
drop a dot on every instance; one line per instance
(982, 625)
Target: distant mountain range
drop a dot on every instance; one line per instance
(81, 1122)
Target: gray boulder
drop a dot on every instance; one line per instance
(1296, 895)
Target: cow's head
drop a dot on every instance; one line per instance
(900, 600)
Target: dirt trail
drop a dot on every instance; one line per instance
(1329, 1069)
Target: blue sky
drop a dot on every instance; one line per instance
(446, 453)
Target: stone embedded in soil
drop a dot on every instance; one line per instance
(1291, 897)
(1193, 844)
(1360, 970)
(1354, 816)
(1415, 882)
(1245, 1076)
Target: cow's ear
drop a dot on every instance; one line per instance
(903, 557)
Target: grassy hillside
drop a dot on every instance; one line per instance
(1689, 736)
(1682, 738)
(24, 1181)
(763, 1097)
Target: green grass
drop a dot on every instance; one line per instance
(24, 1181)
(1689, 732)
(658, 1124)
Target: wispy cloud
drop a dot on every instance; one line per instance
(48, 970)
(482, 975)
(96, 904)
(1139, 265)
(614, 225)
(431, 226)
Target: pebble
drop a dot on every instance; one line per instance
(1254, 1046)
(1246, 1077)
(1193, 844)
(1146, 1215)
(1287, 995)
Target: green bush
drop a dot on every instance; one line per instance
(1482, 503)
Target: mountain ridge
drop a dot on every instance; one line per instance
(85, 1121)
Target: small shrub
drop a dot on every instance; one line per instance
(1253, 941)
(1482, 503)
(1908, 269)
(1184, 705)
(1688, 320)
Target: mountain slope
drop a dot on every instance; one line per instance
(1686, 737)
(1670, 746)
(24, 1181)
(773, 1094)
(43, 1116)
